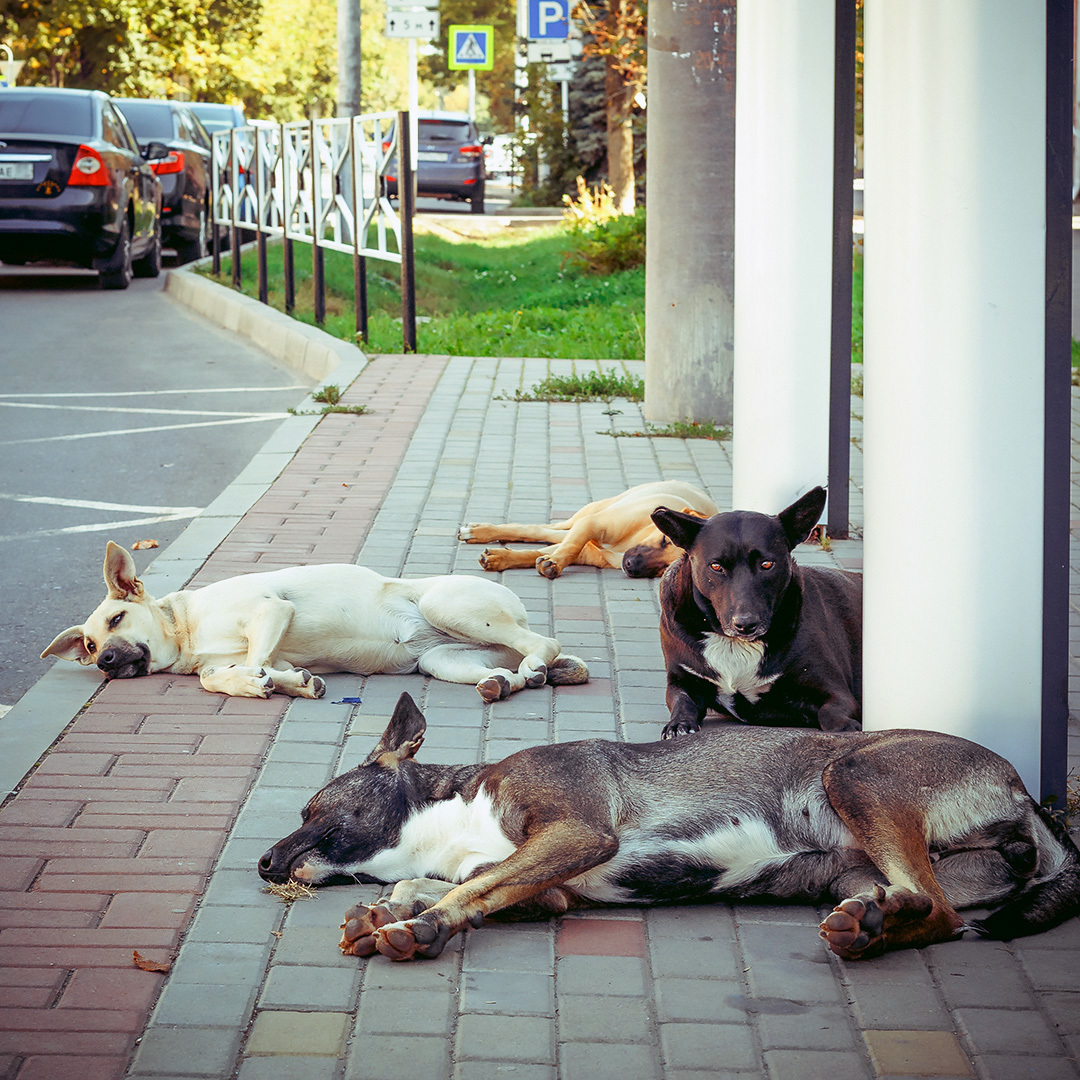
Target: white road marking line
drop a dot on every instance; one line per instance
(136, 409)
(88, 504)
(143, 430)
(153, 393)
(102, 527)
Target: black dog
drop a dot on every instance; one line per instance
(749, 633)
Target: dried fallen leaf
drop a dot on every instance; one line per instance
(143, 964)
(141, 545)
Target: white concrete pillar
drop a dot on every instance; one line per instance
(954, 273)
(783, 249)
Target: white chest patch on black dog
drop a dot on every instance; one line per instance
(736, 666)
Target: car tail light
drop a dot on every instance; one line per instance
(174, 163)
(88, 170)
(386, 144)
(471, 151)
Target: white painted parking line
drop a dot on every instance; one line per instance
(100, 527)
(134, 409)
(143, 430)
(158, 393)
(90, 504)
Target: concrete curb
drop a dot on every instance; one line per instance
(40, 716)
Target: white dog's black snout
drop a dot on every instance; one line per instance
(124, 660)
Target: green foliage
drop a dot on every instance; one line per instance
(591, 386)
(328, 395)
(611, 245)
(505, 296)
(857, 307)
(681, 429)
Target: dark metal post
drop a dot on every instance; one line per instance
(359, 262)
(288, 267)
(1056, 433)
(318, 278)
(215, 230)
(260, 215)
(234, 232)
(843, 212)
(406, 208)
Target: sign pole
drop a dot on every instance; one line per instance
(472, 93)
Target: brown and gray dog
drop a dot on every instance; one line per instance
(259, 634)
(749, 633)
(615, 532)
(898, 829)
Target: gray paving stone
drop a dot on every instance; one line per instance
(584, 1018)
(1052, 970)
(295, 775)
(240, 887)
(705, 922)
(997, 988)
(500, 1070)
(226, 922)
(291, 986)
(289, 1068)
(220, 963)
(615, 975)
(816, 1065)
(703, 1046)
(705, 957)
(162, 1047)
(313, 945)
(413, 1012)
(1018, 1067)
(380, 974)
(705, 1000)
(900, 1006)
(204, 1005)
(795, 980)
(1009, 1031)
(771, 940)
(514, 947)
(506, 1038)
(814, 1028)
(608, 1061)
(509, 993)
(397, 1057)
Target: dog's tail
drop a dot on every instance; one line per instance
(567, 670)
(1052, 896)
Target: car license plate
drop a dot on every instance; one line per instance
(430, 155)
(16, 170)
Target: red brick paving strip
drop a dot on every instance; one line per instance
(109, 844)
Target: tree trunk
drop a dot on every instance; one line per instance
(620, 131)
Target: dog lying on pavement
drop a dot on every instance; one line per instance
(255, 634)
(897, 828)
(608, 533)
(749, 633)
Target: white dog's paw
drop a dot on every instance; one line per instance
(464, 533)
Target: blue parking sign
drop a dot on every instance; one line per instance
(549, 19)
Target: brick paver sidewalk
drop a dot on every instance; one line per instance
(140, 830)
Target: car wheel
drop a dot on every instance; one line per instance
(117, 272)
(149, 266)
(190, 250)
(476, 203)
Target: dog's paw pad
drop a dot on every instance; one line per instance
(673, 730)
(548, 568)
(537, 678)
(318, 686)
(493, 688)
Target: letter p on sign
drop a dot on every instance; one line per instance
(549, 19)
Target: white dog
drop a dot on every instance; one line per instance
(255, 634)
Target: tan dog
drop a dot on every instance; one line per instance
(255, 634)
(608, 533)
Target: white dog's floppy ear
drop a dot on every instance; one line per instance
(69, 646)
(120, 576)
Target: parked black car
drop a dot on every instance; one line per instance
(74, 185)
(185, 174)
(449, 159)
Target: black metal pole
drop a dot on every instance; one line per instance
(318, 279)
(359, 268)
(843, 212)
(215, 243)
(289, 268)
(234, 232)
(260, 210)
(1057, 401)
(360, 293)
(406, 208)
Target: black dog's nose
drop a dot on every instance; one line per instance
(744, 624)
(266, 864)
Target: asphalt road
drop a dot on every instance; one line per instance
(121, 416)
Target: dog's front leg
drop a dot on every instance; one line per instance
(840, 713)
(409, 898)
(687, 711)
(236, 681)
(549, 857)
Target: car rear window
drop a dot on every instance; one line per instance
(46, 114)
(148, 120)
(444, 130)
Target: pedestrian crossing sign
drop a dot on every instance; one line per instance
(471, 47)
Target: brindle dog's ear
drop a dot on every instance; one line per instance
(403, 735)
(120, 577)
(802, 515)
(682, 529)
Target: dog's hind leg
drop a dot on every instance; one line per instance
(482, 533)
(883, 808)
(491, 669)
(496, 559)
(549, 857)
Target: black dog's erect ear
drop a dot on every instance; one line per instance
(403, 735)
(680, 528)
(802, 515)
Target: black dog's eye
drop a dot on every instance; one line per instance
(768, 564)
(115, 621)
(717, 568)
(91, 647)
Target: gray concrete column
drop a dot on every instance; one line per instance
(954, 324)
(783, 250)
(689, 270)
